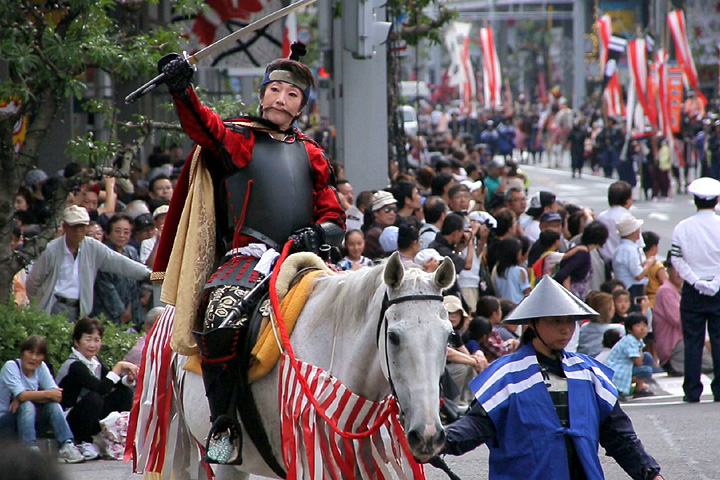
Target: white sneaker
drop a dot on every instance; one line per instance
(69, 453)
(89, 450)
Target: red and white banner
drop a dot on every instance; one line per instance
(372, 445)
(492, 77)
(612, 93)
(460, 73)
(676, 23)
(637, 58)
(675, 97)
(290, 34)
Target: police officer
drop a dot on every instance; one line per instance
(696, 255)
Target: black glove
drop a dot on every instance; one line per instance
(308, 239)
(178, 72)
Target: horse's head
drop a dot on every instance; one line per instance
(413, 340)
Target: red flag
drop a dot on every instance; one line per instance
(637, 57)
(676, 23)
(492, 78)
(612, 92)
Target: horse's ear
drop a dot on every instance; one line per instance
(394, 271)
(445, 274)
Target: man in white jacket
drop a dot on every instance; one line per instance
(62, 278)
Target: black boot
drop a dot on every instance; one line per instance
(220, 369)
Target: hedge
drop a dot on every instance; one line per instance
(16, 324)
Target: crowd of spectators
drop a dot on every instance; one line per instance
(465, 198)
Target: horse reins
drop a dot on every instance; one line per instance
(382, 320)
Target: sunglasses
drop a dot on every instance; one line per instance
(389, 209)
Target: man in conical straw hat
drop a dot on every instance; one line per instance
(543, 411)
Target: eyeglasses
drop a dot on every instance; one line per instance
(389, 209)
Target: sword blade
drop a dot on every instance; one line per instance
(247, 30)
(222, 44)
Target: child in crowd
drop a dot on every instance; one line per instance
(508, 330)
(461, 364)
(354, 246)
(549, 258)
(494, 346)
(610, 338)
(621, 299)
(611, 285)
(629, 361)
(510, 278)
(657, 275)
(592, 332)
(478, 331)
(30, 401)
(526, 401)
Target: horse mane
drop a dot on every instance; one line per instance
(354, 291)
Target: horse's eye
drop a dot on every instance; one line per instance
(394, 338)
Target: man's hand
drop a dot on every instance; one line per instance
(54, 395)
(14, 405)
(706, 287)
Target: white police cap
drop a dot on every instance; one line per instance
(705, 188)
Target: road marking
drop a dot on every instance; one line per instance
(663, 217)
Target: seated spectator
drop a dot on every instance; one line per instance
(30, 401)
(657, 275)
(611, 285)
(354, 245)
(91, 391)
(667, 326)
(117, 296)
(576, 265)
(494, 346)
(408, 242)
(592, 332)
(478, 331)
(134, 356)
(409, 202)
(429, 259)
(382, 214)
(629, 361)
(452, 239)
(509, 278)
(508, 330)
(434, 210)
(610, 338)
(548, 243)
(621, 300)
(627, 263)
(461, 365)
(148, 247)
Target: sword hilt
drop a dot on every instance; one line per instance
(152, 84)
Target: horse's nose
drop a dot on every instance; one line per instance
(421, 444)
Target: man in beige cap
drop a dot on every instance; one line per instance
(627, 262)
(62, 277)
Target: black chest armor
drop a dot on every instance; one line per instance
(272, 196)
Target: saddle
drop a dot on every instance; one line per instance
(258, 350)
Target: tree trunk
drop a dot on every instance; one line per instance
(13, 167)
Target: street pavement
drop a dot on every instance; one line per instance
(682, 437)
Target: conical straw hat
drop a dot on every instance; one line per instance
(550, 299)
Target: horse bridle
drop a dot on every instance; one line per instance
(382, 320)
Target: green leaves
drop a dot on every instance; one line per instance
(92, 151)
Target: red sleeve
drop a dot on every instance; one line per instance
(327, 206)
(207, 129)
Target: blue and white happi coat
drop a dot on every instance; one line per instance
(530, 441)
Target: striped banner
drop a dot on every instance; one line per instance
(610, 50)
(637, 57)
(150, 414)
(676, 23)
(492, 77)
(348, 437)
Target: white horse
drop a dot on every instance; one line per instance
(345, 309)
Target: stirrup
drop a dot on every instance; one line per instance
(224, 442)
